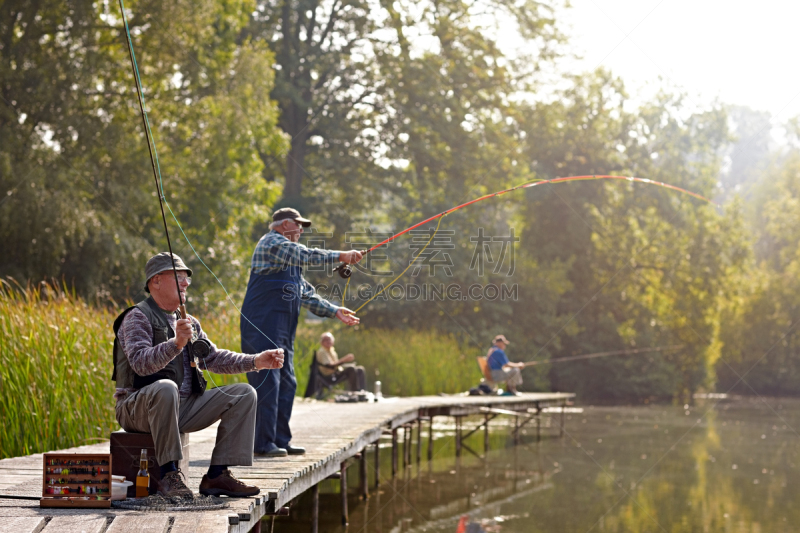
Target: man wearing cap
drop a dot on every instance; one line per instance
(502, 369)
(160, 390)
(270, 312)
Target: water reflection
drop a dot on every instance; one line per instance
(729, 467)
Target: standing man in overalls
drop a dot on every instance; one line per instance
(271, 308)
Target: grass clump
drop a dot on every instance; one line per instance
(55, 368)
(406, 362)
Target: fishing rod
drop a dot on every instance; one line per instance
(345, 270)
(150, 147)
(602, 354)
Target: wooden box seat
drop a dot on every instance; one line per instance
(126, 449)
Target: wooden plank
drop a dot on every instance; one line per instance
(494, 410)
(253, 474)
(209, 522)
(22, 524)
(149, 523)
(76, 524)
(404, 418)
(21, 479)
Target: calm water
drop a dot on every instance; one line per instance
(730, 466)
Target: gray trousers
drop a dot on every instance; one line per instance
(159, 410)
(512, 376)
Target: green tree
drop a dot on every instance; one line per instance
(452, 134)
(79, 195)
(646, 267)
(759, 327)
(326, 89)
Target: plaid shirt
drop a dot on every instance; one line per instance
(275, 252)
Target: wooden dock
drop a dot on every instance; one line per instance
(335, 434)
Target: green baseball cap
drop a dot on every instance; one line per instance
(162, 262)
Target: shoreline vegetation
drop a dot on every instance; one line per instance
(56, 361)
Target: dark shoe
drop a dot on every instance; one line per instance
(226, 485)
(273, 452)
(172, 485)
(294, 450)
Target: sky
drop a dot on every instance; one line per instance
(734, 51)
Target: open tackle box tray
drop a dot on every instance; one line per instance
(75, 480)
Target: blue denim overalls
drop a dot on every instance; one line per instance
(272, 304)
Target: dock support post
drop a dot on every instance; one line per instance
(419, 440)
(538, 423)
(315, 509)
(363, 475)
(405, 446)
(394, 452)
(408, 431)
(343, 490)
(458, 436)
(486, 433)
(563, 408)
(377, 463)
(430, 440)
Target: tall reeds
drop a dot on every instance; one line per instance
(406, 362)
(55, 368)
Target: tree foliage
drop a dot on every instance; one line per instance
(80, 201)
(759, 331)
(370, 116)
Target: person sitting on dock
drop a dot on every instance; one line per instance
(161, 391)
(330, 366)
(502, 369)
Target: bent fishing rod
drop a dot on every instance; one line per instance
(345, 270)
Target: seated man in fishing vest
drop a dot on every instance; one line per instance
(502, 369)
(331, 365)
(160, 389)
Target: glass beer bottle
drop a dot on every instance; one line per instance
(143, 477)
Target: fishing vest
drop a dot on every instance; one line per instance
(162, 332)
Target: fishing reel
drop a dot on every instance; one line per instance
(199, 348)
(345, 270)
